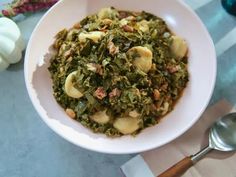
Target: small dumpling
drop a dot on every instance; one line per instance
(179, 47)
(142, 57)
(126, 125)
(70, 90)
(95, 36)
(100, 117)
(107, 13)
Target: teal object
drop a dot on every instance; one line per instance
(229, 6)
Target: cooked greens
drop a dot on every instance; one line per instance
(118, 72)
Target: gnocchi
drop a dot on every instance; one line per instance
(143, 26)
(178, 47)
(95, 36)
(142, 57)
(100, 117)
(126, 125)
(70, 90)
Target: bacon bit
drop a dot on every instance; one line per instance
(123, 14)
(156, 94)
(128, 28)
(100, 93)
(115, 92)
(164, 87)
(99, 69)
(173, 69)
(77, 26)
(70, 113)
(153, 107)
(112, 48)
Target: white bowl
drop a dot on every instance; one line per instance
(202, 67)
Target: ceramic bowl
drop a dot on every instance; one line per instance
(181, 20)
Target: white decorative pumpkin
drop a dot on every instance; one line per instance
(11, 43)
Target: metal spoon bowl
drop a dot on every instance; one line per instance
(222, 137)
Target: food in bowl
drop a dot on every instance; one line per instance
(118, 72)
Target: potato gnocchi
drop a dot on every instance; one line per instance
(118, 72)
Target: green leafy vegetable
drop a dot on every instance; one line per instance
(106, 74)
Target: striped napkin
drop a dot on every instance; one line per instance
(222, 28)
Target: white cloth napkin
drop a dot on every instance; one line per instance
(215, 164)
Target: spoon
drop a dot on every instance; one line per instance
(222, 137)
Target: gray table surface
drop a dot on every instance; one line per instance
(28, 148)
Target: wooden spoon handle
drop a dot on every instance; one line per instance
(178, 169)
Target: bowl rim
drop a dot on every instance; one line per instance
(127, 151)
